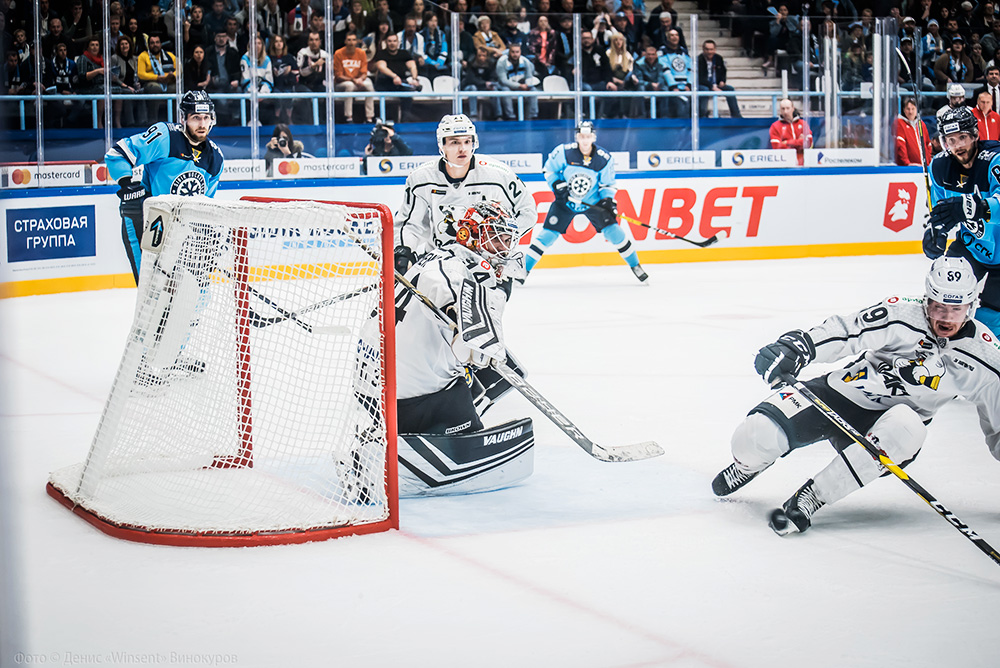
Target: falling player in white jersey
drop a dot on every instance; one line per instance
(442, 189)
(463, 279)
(909, 357)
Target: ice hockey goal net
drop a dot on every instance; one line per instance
(254, 403)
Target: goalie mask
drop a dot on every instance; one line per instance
(489, 230)
(951, 294)
(456, 125)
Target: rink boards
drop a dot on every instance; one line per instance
(69, 239)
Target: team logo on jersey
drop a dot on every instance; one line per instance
(189, 183)
(976, 227)
(195, 154)
(580, 185)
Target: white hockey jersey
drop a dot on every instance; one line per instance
(464, 285)
(430, 195)
(902, 362)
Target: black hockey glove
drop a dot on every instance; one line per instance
(792, 351)
(948, 214)
(608, 203)
(561, 189)
(132, 195)
(404, 258)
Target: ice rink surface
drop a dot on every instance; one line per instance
(585, 564)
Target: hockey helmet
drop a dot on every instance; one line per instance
(951, 282)
(456, 125)
(197, 102)
(956, 120)
(490, 230)
(585, 128)
(956, 90)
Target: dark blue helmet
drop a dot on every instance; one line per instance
(197, 102)
(958, 119)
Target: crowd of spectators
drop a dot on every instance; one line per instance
(377, 45)
(507, 45)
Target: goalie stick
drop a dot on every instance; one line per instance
(611, 453)
(700, 244)
(880, 456)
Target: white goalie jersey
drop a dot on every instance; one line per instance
(429, 354)
(901, 362)
(430, 196)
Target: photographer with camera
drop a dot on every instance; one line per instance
(385, 141)
(282, 145)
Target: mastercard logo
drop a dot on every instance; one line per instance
(20, 177)
(289, 167)
(101, 173)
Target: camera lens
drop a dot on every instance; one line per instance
(282, 142)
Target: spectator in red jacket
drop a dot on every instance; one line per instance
(988, 118)
(791, 130)
(907, 141)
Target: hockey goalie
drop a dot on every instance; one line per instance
(443, 445)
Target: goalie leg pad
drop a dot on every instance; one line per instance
(482, 461)
(899, 433)
(169, 326)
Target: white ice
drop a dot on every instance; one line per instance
(584, 564)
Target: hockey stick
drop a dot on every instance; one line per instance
(260, 321)
(880, 456)
(613, 453)
(920, 135)
(257, 320)
(700, 244)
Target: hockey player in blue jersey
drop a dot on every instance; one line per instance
(965, 194)
(582, 176)
(167, 158)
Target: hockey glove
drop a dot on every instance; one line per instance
(132, 195)
(561, 189)
(608, 204)
(789, 354)
(946, 215)
(404, 258)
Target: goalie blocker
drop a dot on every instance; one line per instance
(482, 461)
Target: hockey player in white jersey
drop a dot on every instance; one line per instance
(440, 190)
(443, 447)
(909, 357)
(462, 278)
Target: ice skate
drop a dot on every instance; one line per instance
(797, 512)
(731, 479)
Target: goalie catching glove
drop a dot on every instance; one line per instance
(966, 210)
(403, 258)
(789, 354)
(132, 195)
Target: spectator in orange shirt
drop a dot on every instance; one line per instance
(908, 125)
(350, 73)
(791, 130)
(988, 119)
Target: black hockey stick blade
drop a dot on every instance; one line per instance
(881, 457)
(611, 453)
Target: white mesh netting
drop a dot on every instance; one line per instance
(252, 393)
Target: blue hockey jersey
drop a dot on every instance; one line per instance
(171, 166)
(949, 179)
(590, 179)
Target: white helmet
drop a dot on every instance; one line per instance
(456, 125)
(952, 282)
